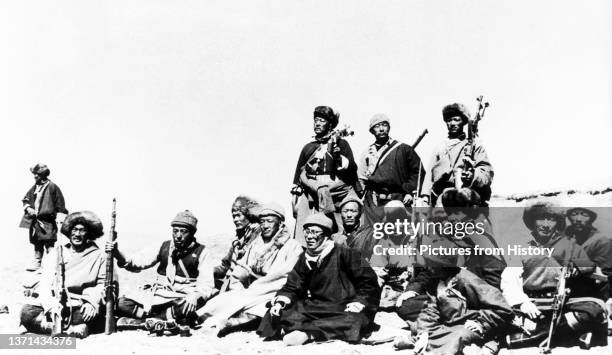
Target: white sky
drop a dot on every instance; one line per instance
(184, 104)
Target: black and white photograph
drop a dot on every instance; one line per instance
(300, 177)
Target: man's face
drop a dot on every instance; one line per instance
(314, 237)
(381, 130)
(321, 126)
(545, 227)
(350, 214)
(38, 178)
(78, 235)
(240, 220)
(456, 215)
(455, 124)
(580, 220)
(269, 226)
(181, 236)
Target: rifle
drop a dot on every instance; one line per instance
(419, 138)
(469, 148)
(417, 192)
(109, 288)
(557, 306)
(336, 134)
(61, 321)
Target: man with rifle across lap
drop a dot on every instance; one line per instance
(69, 297)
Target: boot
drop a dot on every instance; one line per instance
(36, 263)
(79, 331)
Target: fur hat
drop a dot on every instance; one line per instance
(319, 219)
(88, 219)
(543, 209)
(272, 209)
(351, 197)
(185, 219)
(247, 206)
(589, 212)
(40, 169)
(456, 109)
(327, 113)
(464, 199)
(378, 118)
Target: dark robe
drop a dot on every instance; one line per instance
(446, 312)
(349, 175)
(397, 172)
(395, 176)
(360, 240)
(319, 297)
(43, 226)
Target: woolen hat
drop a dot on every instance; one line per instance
(319, 219)
(40, 169)
(272, 209)
(185, 219)
(88, 219)
(539, 210)
(591, 213)
(455, 109)
(378, 118)
(351, 197)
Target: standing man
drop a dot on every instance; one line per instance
(325, 173)
(389, 169)
(457, 154)
(42, 204)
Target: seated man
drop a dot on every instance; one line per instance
(245, 217)
(597, 245)
(355, 233)
(184, 278)
(329, 294)
(83, 278)
(257, 275)
(532, 280)
(461, 309)
(393, 270)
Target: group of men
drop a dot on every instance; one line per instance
(322, 281)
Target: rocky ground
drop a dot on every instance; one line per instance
(15, 258)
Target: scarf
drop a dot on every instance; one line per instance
(275, 245)
(315, 257)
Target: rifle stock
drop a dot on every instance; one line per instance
(109, 326)
(61, 320)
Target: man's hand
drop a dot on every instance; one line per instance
(354, 307)
(467, 175)
(30, 211)
(407, 201)
(88, 312)
(404, 296)
(422, 202)
(110, 246)
(530, 309)
(278, 304)
(474, 326)
(191, 303)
